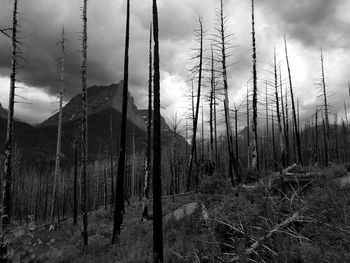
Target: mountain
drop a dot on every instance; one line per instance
(38, 142)
(3, 112)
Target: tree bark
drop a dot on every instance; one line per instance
(149, 136)
(59, 132)
(7, 180)
(255, 159)
(195, 122)
(119, 190)
(157, 183)
(84, 152)
(280, 131)
(327, 136)
(75, 184)
(297, 135)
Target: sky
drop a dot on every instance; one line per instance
(307, 25)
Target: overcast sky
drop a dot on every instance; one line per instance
(307, 24)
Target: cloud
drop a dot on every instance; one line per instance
(306, 24)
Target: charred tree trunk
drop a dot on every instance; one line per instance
(195, 122)
(316, 140)
(149, 136)
(326, 160)
(327, 136)
(248, 130)
(211, 105)
(84, 152)
(233, 164)
(280, 131)
(297, 135)
(7, 180)
(255, 159)
(119, 190)
(75, 184)
(59, 132)
(157, 183)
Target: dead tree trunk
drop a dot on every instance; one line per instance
(7, 180)
(327, 136)
(280, 131)
(297, 135)
(248, 130)
(157, 183)
(119, 190)
(149, 136)
(325, 142)
(267, 152)
(233, 164)
(75, 183)
(59, 132)
(236, 132)
(255, 159)
(195, 122)
(336, 137)
(273, 142)
(211, 104)
(316, 139)
(84, 152)
(112, 197)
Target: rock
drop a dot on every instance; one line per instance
(32, 226)
(343, 182)
(186, 210)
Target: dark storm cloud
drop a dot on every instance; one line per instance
(42, 20)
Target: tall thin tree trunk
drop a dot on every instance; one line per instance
(248, 130)
(119, 190)
(326, 160)
(267, 152)
(233, 165)
(236, 132)
(149, 136)
(336, 137)
(84, 152)
(195, 122)
(59, 132)
(327, 139)
(7, 180)
(297, 135)
(316, 139)
(255, 159)
(280, 131)
(112, 197)
(157, 183)
(75, 183)
(273, 142)
(211, 105)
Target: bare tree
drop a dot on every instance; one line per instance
(325, 106)
(211, 104)
(221, 44)
(59, 135)
(119, 190)
(149, 136)
(75, 182)
(7, 179)
(297, 135)
(84, 151)
(255, 160)
(199, 35)
(280, 131)
(157, 183)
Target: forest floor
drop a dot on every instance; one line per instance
(254, 223)
(35, 243)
